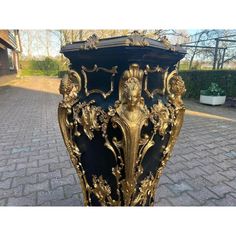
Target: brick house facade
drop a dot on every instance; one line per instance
(10, 49)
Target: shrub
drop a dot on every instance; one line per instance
(213, 90)
(47, 66)
(197, 80)
(62, 73)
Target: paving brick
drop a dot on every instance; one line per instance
(221, 189)
(12, 192)
(45, 196)
(177, 158)
(68, 171)
(192, 163)
(17, 160)
(178, 188)
(11, 174)
(30, 188)
(216, 151)
(233, 194)
(208, 160)
(56, 182)
(46, 204)
(200, 148)
(77, 179)
(227, 200)
(165, 179)
(35, 170)
(5, 184)
(203, 195)
(73, 201)
(186, 151)
(163, 202)
(224, 164)
(64, 156)
(26, 165)
(232, 184)
(210, 202)
(7, 168)
(163, 191)
(3, 162)
(210, 168)
(39, 157)
(231, 154)
(70, 190)
(215, 178)
(190, 156)
(195, 172)
(220, 158)
(48, 161)
(29, 200)
(49, 175)
(65, 164)
(32, 179)
(3, 202)
(230, 173)
(20, 149)
(175, 167)
(184, 200)
(178, 176)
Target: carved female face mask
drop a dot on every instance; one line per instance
(132, 92)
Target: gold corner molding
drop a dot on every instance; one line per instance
(129, 114)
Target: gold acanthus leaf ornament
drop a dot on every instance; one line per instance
(165, 41)
(129, 114)
(90, 43)
(137, 39)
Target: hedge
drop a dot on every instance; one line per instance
(29, 72)
(47, 66)
(62, 73)
(197, 80)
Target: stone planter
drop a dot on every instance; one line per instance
(120, 116)
(212, 100)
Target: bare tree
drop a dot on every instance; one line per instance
(208, 45)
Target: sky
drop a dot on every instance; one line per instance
(39, 42)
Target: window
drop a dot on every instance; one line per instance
(10, 59)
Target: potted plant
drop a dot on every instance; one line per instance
(214, 95)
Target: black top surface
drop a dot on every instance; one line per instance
(119, 51)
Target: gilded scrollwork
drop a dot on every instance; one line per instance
(160, 117)
(130, 115)
(157, 69)
(175, 89)
(112, 71)
(69, 88)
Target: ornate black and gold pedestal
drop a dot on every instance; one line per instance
(120, 116)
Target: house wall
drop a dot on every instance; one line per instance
(4, 63)
(4, 66)
(8, 40)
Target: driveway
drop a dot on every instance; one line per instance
(35, 168)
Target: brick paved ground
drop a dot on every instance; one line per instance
(35, 168)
